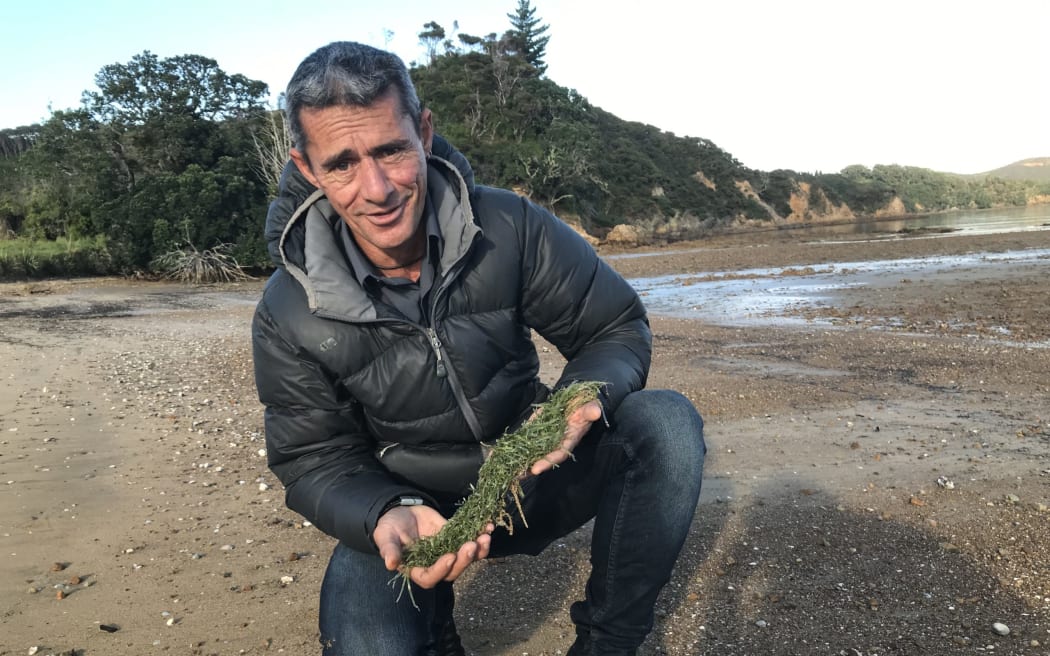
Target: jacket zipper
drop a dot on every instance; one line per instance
(435, 343)
(443, 370)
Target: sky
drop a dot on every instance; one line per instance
(809, 85)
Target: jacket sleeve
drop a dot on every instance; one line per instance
(582, 306)
(315, 441)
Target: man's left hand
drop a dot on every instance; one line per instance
(577, 425)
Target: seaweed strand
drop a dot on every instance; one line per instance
(500, 476)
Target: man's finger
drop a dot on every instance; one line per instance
(428, 577)
(389, 550)
(464, 557)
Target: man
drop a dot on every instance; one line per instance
(393, 343)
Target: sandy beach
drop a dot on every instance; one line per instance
(877, 480)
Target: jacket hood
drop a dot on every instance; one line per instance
(294, 190)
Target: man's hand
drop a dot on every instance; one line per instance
(577, 425)
(401, 526)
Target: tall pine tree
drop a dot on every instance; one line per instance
(526, 36)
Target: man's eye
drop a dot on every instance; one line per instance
(394, 155)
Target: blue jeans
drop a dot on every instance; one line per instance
(639, 480)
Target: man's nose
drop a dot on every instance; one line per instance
(375, 183)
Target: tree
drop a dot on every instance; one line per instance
(526, 38)
(273, 145)
(162, 114)
(430, 38)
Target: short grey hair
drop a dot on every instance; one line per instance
(345, 73)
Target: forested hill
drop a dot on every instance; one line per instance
(174, 155)
(524, 131)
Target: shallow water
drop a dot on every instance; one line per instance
(763, 296)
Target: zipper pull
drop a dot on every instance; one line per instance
(435, 343)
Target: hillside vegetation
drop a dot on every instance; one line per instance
(1035, 169)
(177, 156)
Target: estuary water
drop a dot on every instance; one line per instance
(1011, 219)
(761, 296)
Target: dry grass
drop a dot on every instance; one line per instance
(189, 265)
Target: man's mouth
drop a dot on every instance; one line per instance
(386, 216)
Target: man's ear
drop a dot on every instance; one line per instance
(426, 130)
(304, 166)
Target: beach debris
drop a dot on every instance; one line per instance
(946, 483)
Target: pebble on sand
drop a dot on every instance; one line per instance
(1001, 628)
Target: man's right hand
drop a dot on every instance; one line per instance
(402, 525)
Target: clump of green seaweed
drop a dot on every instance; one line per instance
(500, 476)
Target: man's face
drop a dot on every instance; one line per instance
(371, 163)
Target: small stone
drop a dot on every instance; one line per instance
(285, 580)
(226, 547)
(108, 628)
(1033, 643)
(294, 556)
(1012, 498)
(761, 624)
(58, 567)
(74, 580)
(60, 595)
(263, 487)
(170, 621)
(1001, 629)
(32, 650)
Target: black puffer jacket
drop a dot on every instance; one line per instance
(348, 382)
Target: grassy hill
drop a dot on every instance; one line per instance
(1036, 169)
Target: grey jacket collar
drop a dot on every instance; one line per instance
(331, 288)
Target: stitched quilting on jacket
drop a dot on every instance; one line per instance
(343, 377)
